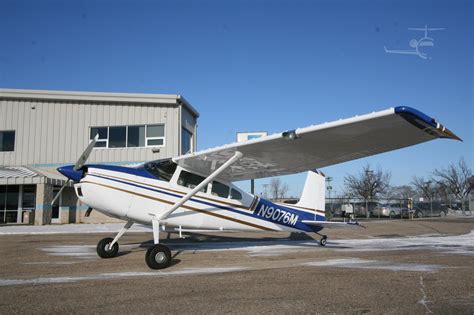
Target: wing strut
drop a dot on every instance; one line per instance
(237, 156)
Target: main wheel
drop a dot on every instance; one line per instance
(158, 257)
(104, 250)
(323, 241)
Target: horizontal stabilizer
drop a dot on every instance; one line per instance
(333, 225)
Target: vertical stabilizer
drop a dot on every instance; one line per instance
(314, 192)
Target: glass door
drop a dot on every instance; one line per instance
(9, 202)
(55, 211)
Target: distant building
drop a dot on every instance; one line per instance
(42, 130)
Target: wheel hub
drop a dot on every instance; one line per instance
(107, 247)
(160, 257)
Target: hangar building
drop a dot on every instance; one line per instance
(42, 130)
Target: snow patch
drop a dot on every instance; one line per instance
(117, 275)
(373, 264)
(70, 229)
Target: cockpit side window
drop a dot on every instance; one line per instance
(161, 169)
(190, 180)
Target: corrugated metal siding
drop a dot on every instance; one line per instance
(188, 121)
(56, 132)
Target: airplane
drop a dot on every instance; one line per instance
(196, 190)
(416, 44)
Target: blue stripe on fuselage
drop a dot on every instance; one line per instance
(259, 213)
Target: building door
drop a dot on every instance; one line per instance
(55, 211)
(9, 202)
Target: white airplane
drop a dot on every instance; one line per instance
(195, 191)
(416, 44)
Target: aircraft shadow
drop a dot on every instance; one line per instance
(199, 241)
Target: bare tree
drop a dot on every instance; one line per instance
(278, 189)
(402, 192)
(455, 180)
(368, 184)
(425, 187)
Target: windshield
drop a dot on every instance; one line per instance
(161, 169)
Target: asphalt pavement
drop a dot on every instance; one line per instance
(401, 266)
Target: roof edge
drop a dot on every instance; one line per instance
(90, 96)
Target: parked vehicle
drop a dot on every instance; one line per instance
(388, 210)
(360, 208)
(430, 209)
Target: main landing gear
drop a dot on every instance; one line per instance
(156, 257)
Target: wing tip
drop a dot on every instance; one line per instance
(421, 120)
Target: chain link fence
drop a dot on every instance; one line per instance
(389, 208)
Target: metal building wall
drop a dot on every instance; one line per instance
(56, 132)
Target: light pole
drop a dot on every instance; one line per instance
(329, 188)
(429, 194)
(368, 180)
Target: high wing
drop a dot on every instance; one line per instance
(320, 145)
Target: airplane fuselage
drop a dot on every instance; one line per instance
(135, 195)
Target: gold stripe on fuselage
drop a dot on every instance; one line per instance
(183, 206)
(172, 190)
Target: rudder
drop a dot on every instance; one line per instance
(314, 192)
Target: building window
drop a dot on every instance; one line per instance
(186, 141)
(103, 136)
(117, 137)
(155, 135)
(129, 136)
(136, 136)
(7, 141)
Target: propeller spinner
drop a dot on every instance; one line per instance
(73, 172)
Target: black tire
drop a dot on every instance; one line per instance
(103, 248)
(158, 257)
(323, 241)
(442, 214)
(419, 214)
(392, 214)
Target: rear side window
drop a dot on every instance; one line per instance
(219, 189)
(235, 194)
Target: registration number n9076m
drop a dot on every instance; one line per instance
(277, 215)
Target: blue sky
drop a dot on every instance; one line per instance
(258, 65)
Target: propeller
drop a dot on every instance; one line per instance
(80, 163)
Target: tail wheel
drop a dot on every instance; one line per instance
(323, 241)
(104, 250)
(158, 257)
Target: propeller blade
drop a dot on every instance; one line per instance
(60, 191)
(85, 155)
